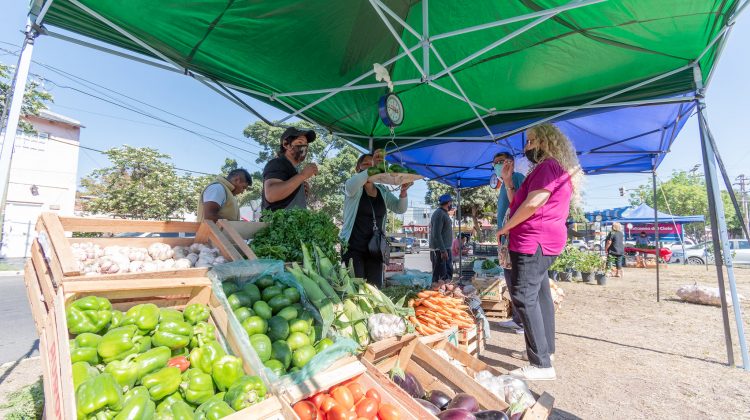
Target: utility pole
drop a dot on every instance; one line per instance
(742, 182)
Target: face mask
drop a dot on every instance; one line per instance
(532, 155)
(498, 169)
(299, 153)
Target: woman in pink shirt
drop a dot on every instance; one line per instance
(536, 236)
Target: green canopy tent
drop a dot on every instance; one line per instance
(457, 65)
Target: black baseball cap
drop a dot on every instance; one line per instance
(294, 133)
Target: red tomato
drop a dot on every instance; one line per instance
(306, 410)
(339, 413)
(367, 408)
(358, 391)
(327, 404)
(388, 412)
(180, 361)
(317, 399)
(374, 394)
(343, 396)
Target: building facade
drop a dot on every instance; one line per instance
(43, 177)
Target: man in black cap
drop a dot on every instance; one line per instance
(284, 186)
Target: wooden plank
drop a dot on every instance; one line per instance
(61, 249)
(36, 299)
(541, 409)
(219, 241)
(246, 230)
(90, 224)
(201, 235)
(49, 352)
(458, 379)
(322, 380)
(237, 239)
(66, 370)
(39, 266)
(428, 380)
(147, 285)
(48, 254)
(134, 242)
(199, 272)
(380, 349)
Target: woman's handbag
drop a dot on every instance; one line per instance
(378, 245)
(503, 256)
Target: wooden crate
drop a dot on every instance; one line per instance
(238, 233)
(365, 374)
(496, 311)
(418, 357)
(472, 340)
(55, 349)
(489, 288)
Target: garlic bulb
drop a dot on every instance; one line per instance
(193, 258)
(219, 260)
(183, 263)
(160, 252)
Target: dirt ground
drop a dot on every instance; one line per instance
(620, 354)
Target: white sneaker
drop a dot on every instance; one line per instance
(510, 325)
(533, 373)
(520, 331)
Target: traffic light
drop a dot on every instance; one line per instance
(622, 192)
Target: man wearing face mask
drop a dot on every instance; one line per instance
(441, 233)
(501, 160)
(284, 186)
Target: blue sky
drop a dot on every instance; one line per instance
(108, 125)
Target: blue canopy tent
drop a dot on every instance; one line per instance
(608, 140)
(643, 214)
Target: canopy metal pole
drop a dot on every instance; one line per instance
(13, 114)
(723, 236)
(460, 236)
(656, 229)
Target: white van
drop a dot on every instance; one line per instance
(424, 244)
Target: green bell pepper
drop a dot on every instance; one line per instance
(89, 314)
(196, 312)
(202, 333)
(82, 371)
(203, 357)
(124, 371)
(213, 409)
(226, 371)
(83, 348)
(169, 400)
(117, 317)
(136, 407)
(144, 316)
(248, 390)
(169, 314)
(134, 392)
(172, 334)
(98, 396)
(152, 360)
(121, 342)
(179, 410)
(197, 387)
(162, 382)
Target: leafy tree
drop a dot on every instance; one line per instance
(685, 194)
(335, 159)
(35, 98)
(141, 183)
(476, 203)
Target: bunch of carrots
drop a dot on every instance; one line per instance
(435, 313)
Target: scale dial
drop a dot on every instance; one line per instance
(391, 110)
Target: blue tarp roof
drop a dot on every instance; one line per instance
(641, 214)
(608, 140)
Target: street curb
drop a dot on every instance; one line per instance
(9, 364)
(11, 273)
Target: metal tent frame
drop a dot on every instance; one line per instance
(34, 28)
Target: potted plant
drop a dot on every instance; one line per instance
(601, 271)
(556, 268)
(587, 265)
(563, 263)
(573, 262)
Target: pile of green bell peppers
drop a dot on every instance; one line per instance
(123, 365)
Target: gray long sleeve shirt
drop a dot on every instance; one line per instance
(441, 230)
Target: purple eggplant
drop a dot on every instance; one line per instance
(429, 406)
(465, 401)
(491, 415)
(456, 414)
(407, 382)
(439, 398)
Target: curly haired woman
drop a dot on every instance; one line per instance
(537, 235)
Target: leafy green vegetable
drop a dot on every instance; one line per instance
(488, 264)
(287, 229)
(395, 293)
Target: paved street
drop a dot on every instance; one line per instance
(419, 261)
(20, 339)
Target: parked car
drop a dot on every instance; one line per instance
(424, 244)
(412, 246)
(581, 245)
(693, 255)
(740, 251)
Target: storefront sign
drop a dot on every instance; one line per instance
(415, 229)
(663, 229)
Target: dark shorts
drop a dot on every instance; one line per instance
(617, 260)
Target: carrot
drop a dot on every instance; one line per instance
(428, 330)
(427, 293)
(413, 320)
(420, 329)
(430, 305)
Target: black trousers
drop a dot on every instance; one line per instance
(442, 269)
(515, 316)
(365, 266)
(532, 298)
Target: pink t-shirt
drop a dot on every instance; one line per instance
(546, 227)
